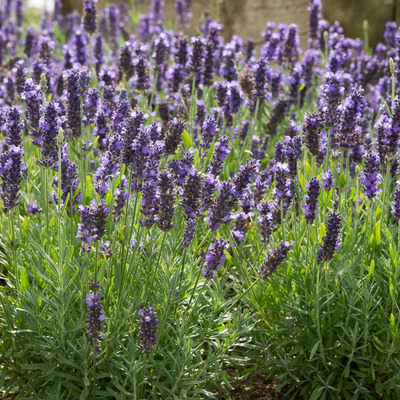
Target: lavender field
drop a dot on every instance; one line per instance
(179, 212)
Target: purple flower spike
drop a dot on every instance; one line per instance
(351, 113)
(49, 125)
(245, 176)
(91, 106)
(332, 240)
(189, 232)
(120, 197)
(220, 211)
(148, 329)
(183, 12)
(95, 317)
(209, 129)
(370, 176)
(14, 127)
(314, 9)
(396, 204)
(275, 258)
(198, 55)
(327, 180)
(312, 132)
(167, 198)
(32, 96)
(89, 15)
(331, 95)
(69, 181)
(191, 200)
(11, 167)
(93, 223)
(73, 101)
(215, 258)
(221, 151)
(174, 136)
(33, 208)
(150, 203)
(293, 153)
(310, 201)
(265, 221)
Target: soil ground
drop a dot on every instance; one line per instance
(255, 387)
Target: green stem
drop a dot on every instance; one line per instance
(327, 296)
(143, 390)
(327, 156)
(242, 294)
(317, 311)
(130, 230)
(308, 241)
(366, 236)
(94, 370)
(182, 268)
(154, 91)
(192, 105)
(95, 260)
(385, 190)
(61, 252)
(46, 206)
(157, 266)
(13, 238)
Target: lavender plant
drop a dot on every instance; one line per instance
(187, 173)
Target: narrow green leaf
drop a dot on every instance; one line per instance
(379, 387)
(342, 180)
(24, 279)
(322, 232)
(316, 394)
(392, 323)
(378, 240)
(187, 139)
(314, 349)
(88, 193)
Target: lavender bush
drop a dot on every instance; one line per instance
(168, 201)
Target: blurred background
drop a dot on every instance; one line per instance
(247, 18)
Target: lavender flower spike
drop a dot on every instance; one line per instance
(191, 201)
(209, 129)
(275, 258)
(95, 317)
(93, 223)
(215, 258)
(14, 127)
(73, 101)
(198, 55)
(167, 209)
(189, 232)
(396, 203)
(33, 208)
(371, 177)
(174, 136)
(327, 180)
(332, 240)
(148, 329)
(11, 165)
(89, 15)
(221, 151)
(310, 201)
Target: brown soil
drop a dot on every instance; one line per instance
(255, 387)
